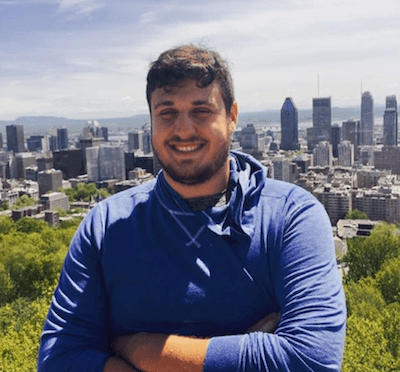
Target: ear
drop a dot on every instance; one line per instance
(233, 117)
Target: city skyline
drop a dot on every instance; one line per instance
(88, 59)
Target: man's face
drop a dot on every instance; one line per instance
(191, 132)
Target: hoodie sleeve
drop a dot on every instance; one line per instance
(307, 284)
(75, 335)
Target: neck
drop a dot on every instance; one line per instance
(213, 186)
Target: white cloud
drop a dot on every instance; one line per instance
(79, 7)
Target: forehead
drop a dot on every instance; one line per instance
(186, 92)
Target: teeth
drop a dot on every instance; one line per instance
(186, 148)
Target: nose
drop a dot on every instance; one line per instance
(184, 126)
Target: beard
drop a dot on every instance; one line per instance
(189, 173)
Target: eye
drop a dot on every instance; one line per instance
(201, 112)
(168, 114)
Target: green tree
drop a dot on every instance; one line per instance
(364, 299)
(355, 214)
(21, 324)
(365, 256)
(24, 201)
(388, 280)
(6, 225)
(84, 192)
(366, 347)
(4, 206)
(28, 225)
(391, 327)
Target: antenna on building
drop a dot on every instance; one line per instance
(318, 85)
(361, 91)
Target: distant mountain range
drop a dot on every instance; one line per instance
(45, 124)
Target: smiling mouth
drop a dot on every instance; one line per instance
(186, 148)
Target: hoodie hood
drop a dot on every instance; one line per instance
(246, 180)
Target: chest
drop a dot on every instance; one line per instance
(188, 282)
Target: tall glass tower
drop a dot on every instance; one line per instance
(289, 126)
(367, 119)
(15, 138)
(62, 138)
(390, 122)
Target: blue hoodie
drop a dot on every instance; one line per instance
(142, 261)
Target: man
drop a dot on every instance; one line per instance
(188, 272)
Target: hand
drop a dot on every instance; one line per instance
(268, 324)
(152, 352)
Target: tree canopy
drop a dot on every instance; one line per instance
(31, 256)
(355, 214)
(84, 192)
(372, 287)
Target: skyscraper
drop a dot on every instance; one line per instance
(335, 139)
(367, 119)
(390, 122)
(15, 138)
(346, 153)
(322, 122)
(323, 154)
(62, 138)
(351, 132)
(289, 126)
(135, 140)
(322, 116)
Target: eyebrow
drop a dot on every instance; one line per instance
(171, 103)
(163, 103)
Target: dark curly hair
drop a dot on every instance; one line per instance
(192, 62)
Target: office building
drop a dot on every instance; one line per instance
(90, 142)
(24, 160)
(15, 138)
(346, 154)
(45, 162)
(70, 162)
(281, 169)
(368, 177)
(62, 138)
(303, 162)
(94, 130)
(367, 119)
(388, 159)
(322, 123)
(289, 126)
(379, 204)
(323, 154)
(54, 201)
(105, 162)
(390, 122)
(336, 200)
(133, 161)
(104, 133)
(335, 139)
(135, 140)
(49, 180)
(53, 143)
(38, 143)
(252, 140)
(351, 132)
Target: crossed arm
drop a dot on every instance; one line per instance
(151, 352)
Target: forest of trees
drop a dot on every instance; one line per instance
(31, 256)
(32, 253)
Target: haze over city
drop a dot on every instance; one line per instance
(88, 59)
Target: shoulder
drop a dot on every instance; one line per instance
(122, 205)
(288, 191)
(290, 201)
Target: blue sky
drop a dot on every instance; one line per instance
(88, 59)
